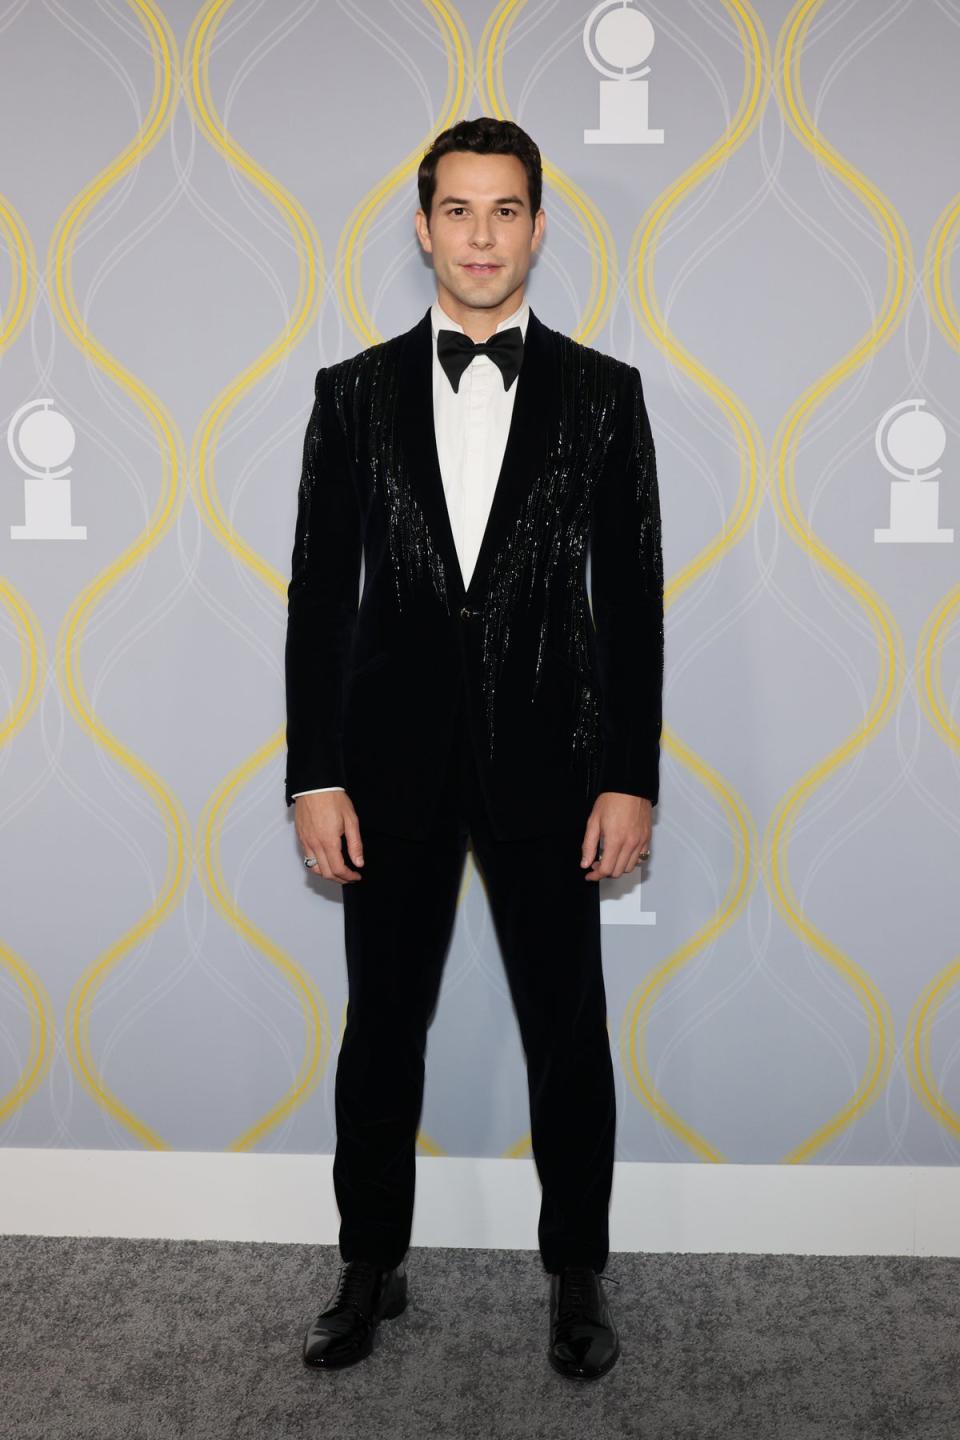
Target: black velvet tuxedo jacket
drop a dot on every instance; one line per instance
(563, 696)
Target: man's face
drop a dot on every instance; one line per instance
(480, 234)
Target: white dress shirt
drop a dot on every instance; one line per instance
(471, 427)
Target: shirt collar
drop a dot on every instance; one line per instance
(440, 320)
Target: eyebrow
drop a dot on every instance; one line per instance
(458, 200)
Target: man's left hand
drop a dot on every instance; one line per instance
(620, 827)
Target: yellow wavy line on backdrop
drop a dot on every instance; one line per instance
(889, 644)
(929, 1004)
(70, 638)
(35, 995)
(601, 246)
(23, 289)
(309, 252)
(743, 833)
(348, 261)
(919, 1029)
(937, 279)
(23, 272)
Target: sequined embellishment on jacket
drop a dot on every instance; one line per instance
(546, 549)
(372, 389)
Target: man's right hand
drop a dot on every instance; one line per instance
(321, 819)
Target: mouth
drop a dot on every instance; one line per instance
(479, 269)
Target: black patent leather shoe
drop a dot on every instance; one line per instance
(584, 1343)
(343, 1332)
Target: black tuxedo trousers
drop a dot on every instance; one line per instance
(398, 921)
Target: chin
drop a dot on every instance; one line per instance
(481, 293)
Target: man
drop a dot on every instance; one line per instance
(471, 461)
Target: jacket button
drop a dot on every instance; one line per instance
(465, 613)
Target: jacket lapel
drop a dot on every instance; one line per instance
(534, 415)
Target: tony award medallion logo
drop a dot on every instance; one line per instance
(41, 441)
(909, 442)
(618, 38)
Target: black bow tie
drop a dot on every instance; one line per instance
(455, 351)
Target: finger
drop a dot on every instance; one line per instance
(591, 839)
(310, 852)
(329, 860)
(613, 853)
(351, 830)
(322, 866)
(620, 859)
(339, 869)
(598, 870)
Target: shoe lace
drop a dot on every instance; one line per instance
(577, 1291)
(353, 1284)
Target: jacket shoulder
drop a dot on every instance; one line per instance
(596, 366)
(364, 362)
(348, 383)
(611, 390)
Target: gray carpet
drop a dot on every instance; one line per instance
(152, 1339)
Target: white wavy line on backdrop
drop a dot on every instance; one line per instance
(12, 13)
(44, 368)
(541, 63)
(795, 999)
(897, 1084)
(947, 815)
(115, 986)
(255, 462)
(254, 794)
(250, 801)
(87, 430)
(952, 13)
(698, 600)
(829, 415)
(257, 401)
(849, 394)
(395, 51)
(821, 803)
(473, 923)
(105, 612)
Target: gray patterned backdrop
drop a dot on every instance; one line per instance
(202, 203)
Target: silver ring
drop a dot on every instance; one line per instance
(644, 854)
(310, 860)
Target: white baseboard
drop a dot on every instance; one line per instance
(773, 1209)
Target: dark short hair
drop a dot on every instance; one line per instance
(484, 136)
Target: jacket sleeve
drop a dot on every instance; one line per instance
(322, 600)
(626, 594)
